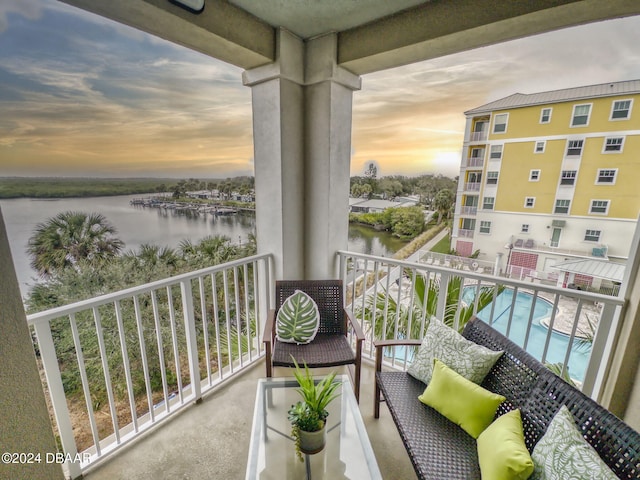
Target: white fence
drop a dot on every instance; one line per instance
(394, 299)
(125, 361)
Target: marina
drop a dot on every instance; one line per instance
(192, 207)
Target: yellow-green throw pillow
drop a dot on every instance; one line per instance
(460, 400)
(502, 453)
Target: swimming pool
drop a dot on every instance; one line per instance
(558, 344)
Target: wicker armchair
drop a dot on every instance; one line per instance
(331, 346)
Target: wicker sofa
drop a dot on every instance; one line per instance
(439, 449)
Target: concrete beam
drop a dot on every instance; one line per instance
(221, 30)
(444, 27)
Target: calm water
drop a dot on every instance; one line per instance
(138, 225)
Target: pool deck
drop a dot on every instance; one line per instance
(564, 319)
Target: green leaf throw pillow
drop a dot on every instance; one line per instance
(460, 400)
(563, 453)
(502, 453)
(298, 319)
(469, 359)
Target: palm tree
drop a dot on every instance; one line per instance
(408, 321)
(442, 202)
(72, 238)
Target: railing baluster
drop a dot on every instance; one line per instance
(236, 294)
(511, 311)
(552, 320)
(374, 306)
(225, 283)
(126, 365)
(572, 336)
(174, 341)
(534, 299)
(600, 348)
(245, 276)
(85, 383)
(257, 310)
(192, 342)
(163, 370)
(442, 295)
(216, 320)
(205, 328)
(107, 375)
(143, 355)
(396, 328)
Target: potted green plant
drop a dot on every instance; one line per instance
(308, 416)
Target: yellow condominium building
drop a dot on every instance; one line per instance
(549, 183)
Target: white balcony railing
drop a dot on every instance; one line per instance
(465, 210)
(478, 136)
(135, 357)
(472, 186)
(463, 232)
(556, 325)
(475, 161)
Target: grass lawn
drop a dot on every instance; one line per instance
(443, 246)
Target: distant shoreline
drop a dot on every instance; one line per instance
(58, 187)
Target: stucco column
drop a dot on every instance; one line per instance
(25, 426)
(328, 117)
(277, 94)
(302, 150)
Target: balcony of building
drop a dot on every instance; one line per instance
(598, 251)
(472, 186)
(165, 373)
(475, 162)
(468, 210)
(479, 136)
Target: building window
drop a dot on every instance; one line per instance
(592, 236)
(496, 151)
(524, 228)
(500, 123)
(534, 175)
(599, 207)
(621, 110)
(545, 115)
(477, 153)
(539, 147)
(613, 144)
(468, 224)
(492, 178)
(485, 227)
(488, 203)
(580, 116)
(568, 177)
(606, 176)
(574, 148)
(529, 202)
(562, 206)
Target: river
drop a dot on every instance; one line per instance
(138, 225)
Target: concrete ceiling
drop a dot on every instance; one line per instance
(372, 34)
(310, 18)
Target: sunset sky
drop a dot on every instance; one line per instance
(81, 95)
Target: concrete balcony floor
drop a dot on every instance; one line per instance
(211, 440)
